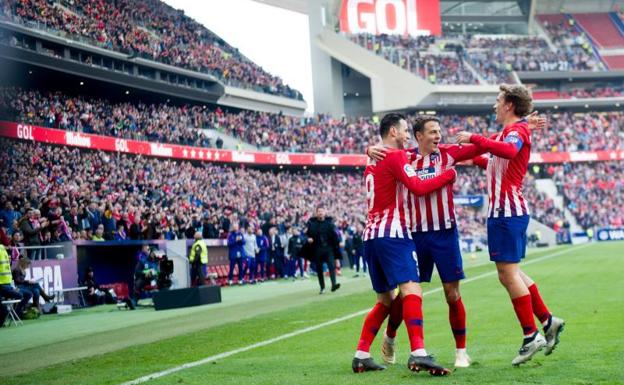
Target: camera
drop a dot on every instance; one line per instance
(165, 269)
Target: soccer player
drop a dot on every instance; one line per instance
(508, 216)
(434, 230)
(388, 248)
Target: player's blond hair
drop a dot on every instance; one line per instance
(519, 96)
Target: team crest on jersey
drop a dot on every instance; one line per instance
(426, 173)
(409, 170)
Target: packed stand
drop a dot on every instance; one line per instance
(411, 54)
(593, 192)
(571, 42)
(567, 131)
(50, 194)
(542, 207)
(148, 29)
(588, 131)
(177, 125)
(102, 196)
(495, 58)
(580, 93)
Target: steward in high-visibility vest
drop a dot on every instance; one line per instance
(5, 267)
(198, 265)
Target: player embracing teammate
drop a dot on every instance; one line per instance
(389, 249)
(508, 216)
(433, 227)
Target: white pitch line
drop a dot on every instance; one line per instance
(295, 333)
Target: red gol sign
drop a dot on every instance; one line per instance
(392, 17)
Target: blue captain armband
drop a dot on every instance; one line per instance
(514, 138)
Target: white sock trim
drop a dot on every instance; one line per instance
(419, 353)
(361, 354)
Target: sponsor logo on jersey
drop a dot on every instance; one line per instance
(409, 170)
(426, 173)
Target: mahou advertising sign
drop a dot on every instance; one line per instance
(392, 17)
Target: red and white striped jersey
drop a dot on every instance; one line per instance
(388, 183)
(510, 151)
(435, 211)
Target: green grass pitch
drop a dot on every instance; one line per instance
(103, 345)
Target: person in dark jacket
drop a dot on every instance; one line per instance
(295, 245)
(31, 228)
(235, 252)
(94, 295)
(261, 257)
(324, 246)
(357, 250)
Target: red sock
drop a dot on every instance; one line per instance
(539, 307)
(413, 317)
(524, 312)
(396, 316)
(457, 318)
(371, 326)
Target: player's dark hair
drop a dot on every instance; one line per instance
(418, 124)
(519, 96)
(388, 122)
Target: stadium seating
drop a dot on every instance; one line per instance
(579, 93)
(601, 29)
(493, 58)
(411, 54)
(173, 199)
(594, 192)
(319, 134)
(148, 29)
(614, 62)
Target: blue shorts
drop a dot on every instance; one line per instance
(507, 238)
(442, 249)
(391, 261)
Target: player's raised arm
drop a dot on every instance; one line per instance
(405, 173)
(480, 161)
(508, 148)
(464, 152)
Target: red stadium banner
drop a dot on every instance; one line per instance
(391, 17)
(173, 151)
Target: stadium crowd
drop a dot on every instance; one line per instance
(493, 58)
(148, 29)
(587, 131)
(318, 134)
(93, 195)
(593, 192)
(600, 92)
(411, 54)
(170, 124)
(153, 30)
(110, 196)
(607, 91)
